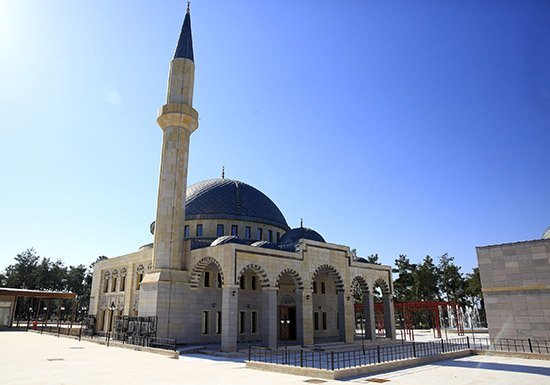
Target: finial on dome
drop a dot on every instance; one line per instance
(223, 172)
(301, 222)
(188, 6)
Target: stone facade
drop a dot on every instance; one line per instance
(245, 276)
(515, 278)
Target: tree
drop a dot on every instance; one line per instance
(404, 284)
(22, 274)
(451, 282)
(373, 258)
(426, 281)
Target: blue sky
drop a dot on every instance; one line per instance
(394, 127)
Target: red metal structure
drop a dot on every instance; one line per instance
(405, 311)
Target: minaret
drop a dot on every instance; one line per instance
(162, 289)
(178, 120)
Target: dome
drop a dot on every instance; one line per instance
(264, 245)
(231, 199)
(227, 239)
(293, 236)
(546, 234)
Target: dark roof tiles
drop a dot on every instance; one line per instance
(231, 199)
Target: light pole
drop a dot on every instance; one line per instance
(45, 308)
(285, 323)
(112, 308)
(363, 329)
(29, 317)
(61, 309)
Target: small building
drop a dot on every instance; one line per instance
(515, 280)
(224, 266)
(10, 303)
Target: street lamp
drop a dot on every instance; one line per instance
(45, 308)
(29, 317)
(285, 322)
(112, 308)
(61, 309)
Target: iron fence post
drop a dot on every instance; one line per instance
(468, 341)
(378, 352)
(530, 345)
(414, 350)
(442, 346)
(301, 358)
(249, 352)
(332, 359)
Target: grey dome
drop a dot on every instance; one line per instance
(227, 239)
(264, 245)
(293, 236)
(231, 199)
(546, 234)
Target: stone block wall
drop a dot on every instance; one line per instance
(515, 280)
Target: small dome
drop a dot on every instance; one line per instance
(293, 236)
(546, 234)
(227, 239)
(264, 245)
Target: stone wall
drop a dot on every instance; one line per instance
(515, 279)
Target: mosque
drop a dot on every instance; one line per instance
(224, 266)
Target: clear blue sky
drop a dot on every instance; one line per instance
(394, 127)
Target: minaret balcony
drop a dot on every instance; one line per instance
(178, 115)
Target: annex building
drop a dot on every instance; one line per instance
(515, 280)
(224, 266)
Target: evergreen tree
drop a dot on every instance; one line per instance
(426, 280)
(404, 284)
(373, 258)
(452, 284)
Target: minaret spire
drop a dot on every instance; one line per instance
(185, 43)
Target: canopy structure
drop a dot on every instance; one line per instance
(9, 302)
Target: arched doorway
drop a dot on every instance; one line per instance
(328, 305)
(385, 317)
(208, 280)
(251, 279)
(289, 307)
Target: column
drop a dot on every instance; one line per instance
(341, 316)
(389, 316)
(230, 317)
(269, 317)
(347, 319)
(368, 311)
(304, 316)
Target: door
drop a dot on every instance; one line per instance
(287, 323)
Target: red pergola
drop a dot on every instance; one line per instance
(405, 311)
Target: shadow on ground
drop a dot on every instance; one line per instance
(495, 366)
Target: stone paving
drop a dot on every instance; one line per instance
(30, 358)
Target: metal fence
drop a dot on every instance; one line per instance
(80, 330)
(511, 345)
(334, 360)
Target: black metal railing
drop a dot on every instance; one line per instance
(152, 342)
(334, 360)
(511, 345)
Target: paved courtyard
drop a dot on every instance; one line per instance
(30, 358)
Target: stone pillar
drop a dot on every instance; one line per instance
(269, 317)
(304, 317)
(370, 318)
(389, 316)
(342, 316)
(230, 317)
(347, 319)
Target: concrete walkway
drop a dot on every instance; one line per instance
(30, 358)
